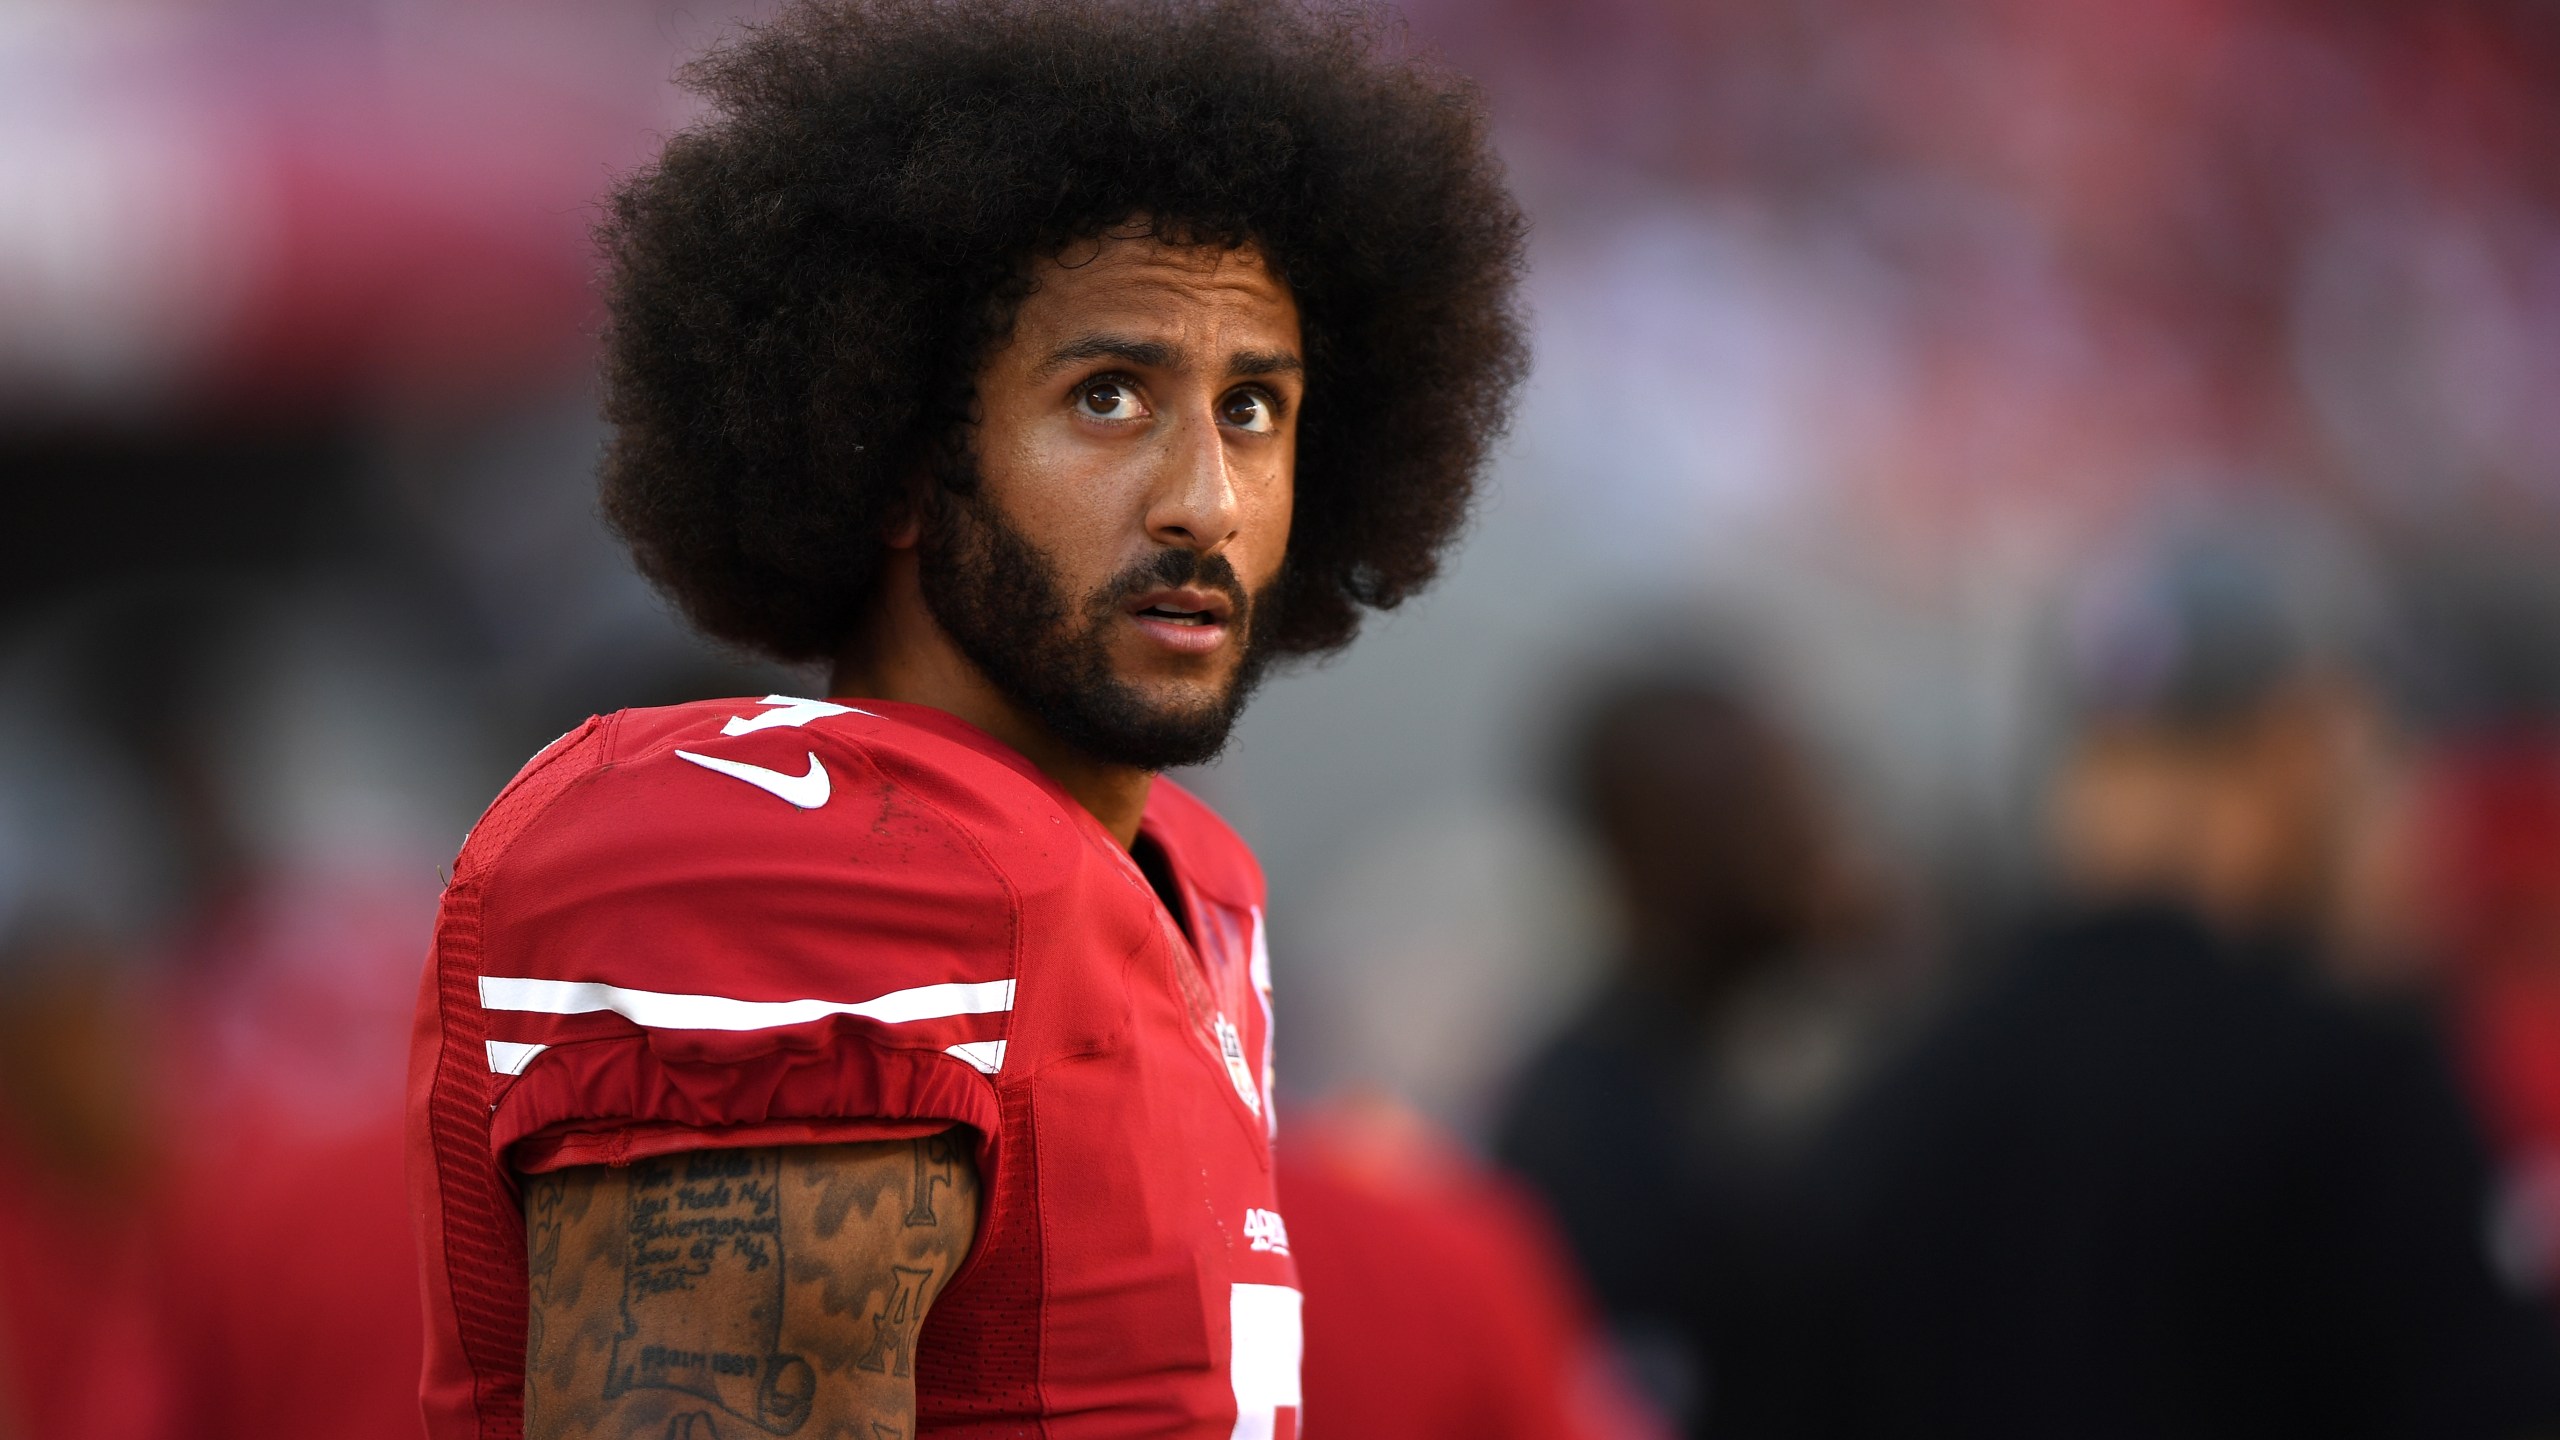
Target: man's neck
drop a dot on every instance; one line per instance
(907, 657)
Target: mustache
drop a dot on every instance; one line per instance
(1174, 568)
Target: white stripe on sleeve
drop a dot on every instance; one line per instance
(984, 1056)
(659, 1010)
(508, 1058)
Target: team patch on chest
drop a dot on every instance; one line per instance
(1231, 1050)
(1232, 998)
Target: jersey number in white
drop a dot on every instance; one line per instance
(1262, 1360)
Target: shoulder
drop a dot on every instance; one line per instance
(755, 775)
(1212, 854)
(765, 832)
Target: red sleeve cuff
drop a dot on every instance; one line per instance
(612, 1101)
(565, 1148)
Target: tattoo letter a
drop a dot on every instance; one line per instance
(893, 1330)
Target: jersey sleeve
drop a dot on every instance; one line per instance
(751, 939)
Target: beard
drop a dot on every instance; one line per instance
(999, 597)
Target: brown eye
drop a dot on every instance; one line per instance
(1108, 399)
(1247, 410)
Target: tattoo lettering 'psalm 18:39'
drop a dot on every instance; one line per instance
(731, 1294)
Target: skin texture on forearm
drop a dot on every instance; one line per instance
(735, 1294)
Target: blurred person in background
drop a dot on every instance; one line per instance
(1664, 1122)
(2156, 1176)
(312, 730)
(85, 1346)
(2484, 869)
(85, 1340)
(1440, 1302)
(205, 855)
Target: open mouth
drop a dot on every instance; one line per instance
(1189, 605)
(1189, 621)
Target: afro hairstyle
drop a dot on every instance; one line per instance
(804, 286)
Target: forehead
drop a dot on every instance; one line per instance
(1142, 286)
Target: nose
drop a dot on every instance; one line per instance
(1194, 504)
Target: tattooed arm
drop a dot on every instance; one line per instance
(735, 1294)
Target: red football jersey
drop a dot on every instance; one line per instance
(748, 923)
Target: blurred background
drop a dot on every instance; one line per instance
(2003, 483)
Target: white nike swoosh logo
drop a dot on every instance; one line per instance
(806, 791)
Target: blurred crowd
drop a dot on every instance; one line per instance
(2196, 1148)
(1972, 847)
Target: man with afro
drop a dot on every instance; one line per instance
(896, 1063)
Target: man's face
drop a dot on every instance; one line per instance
(1134, 455)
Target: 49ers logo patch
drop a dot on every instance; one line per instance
(1231, 1049)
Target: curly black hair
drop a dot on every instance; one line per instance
(804, 285)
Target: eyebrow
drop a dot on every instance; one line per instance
(1154, 354)
(1157, 355)
(1265, 362)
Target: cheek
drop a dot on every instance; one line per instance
(1270, 513)
(1069, 499)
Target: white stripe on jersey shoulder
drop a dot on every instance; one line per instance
(984, 1056)
(795, 712)
(509, 1058)
(659, 1010)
